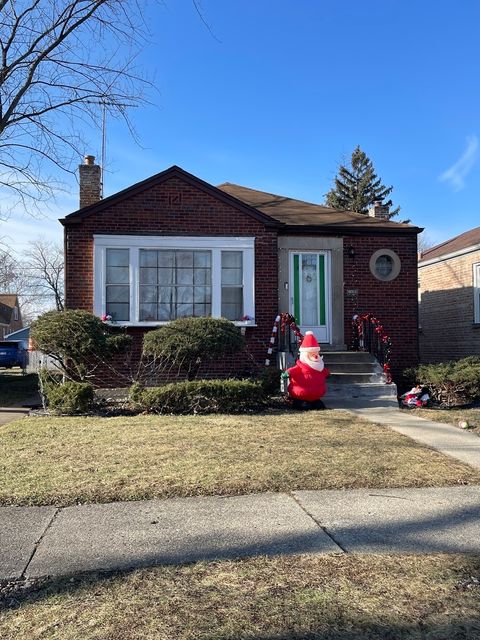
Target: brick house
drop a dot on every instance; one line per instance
(174, 245)
(449, 281)
(10, 316)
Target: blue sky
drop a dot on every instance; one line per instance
(286, 89)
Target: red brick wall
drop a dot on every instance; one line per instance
(195, 213)
(394, 303)
(198, 213)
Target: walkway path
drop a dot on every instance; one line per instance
(9, 414)
(447, 439)
(39, 541)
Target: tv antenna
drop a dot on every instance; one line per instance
(104, 104)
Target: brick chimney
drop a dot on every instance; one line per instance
(379, 210)
(90, 182)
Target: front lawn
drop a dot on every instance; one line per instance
(451, 416)
(284, 598)
(62, 461)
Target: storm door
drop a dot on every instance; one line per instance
(310, 292)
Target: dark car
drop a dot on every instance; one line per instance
(11, 354)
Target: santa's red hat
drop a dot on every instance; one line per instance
(309, 342)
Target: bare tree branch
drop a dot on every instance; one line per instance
(60, 61)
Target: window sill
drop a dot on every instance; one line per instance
(120, 323)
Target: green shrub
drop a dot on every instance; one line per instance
(187, 343)
(269, 377)
(200, 396)
(69, 398)
(76, 340)
(451, 383)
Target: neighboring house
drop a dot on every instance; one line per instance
(10, 316)
(449, 282)
(22, 336)
(174, 245)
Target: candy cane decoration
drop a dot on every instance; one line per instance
(281, 322)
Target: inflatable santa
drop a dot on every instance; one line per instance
(307, 377)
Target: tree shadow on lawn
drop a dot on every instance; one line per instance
(455, 531)
(334, 618)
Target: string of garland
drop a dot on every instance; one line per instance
(281, 322)
(359, 321)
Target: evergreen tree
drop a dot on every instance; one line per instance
(357, 187)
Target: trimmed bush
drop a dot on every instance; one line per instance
(69, 398)
(269, 377)
(76, 340)
(451, 383)
(200, 396)
(187, 343)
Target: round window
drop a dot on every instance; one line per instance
(385, 264)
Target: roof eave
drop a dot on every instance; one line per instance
(349, 229)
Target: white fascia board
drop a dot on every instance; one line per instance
(448, 256)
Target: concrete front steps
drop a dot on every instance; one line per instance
(357, 375)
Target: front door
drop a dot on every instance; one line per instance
(311, 292)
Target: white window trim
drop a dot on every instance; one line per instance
(476, 292)
(214, 244)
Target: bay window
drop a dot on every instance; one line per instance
(152, 279)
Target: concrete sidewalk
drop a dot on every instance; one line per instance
(449, 440)
(9, 414)
(40, 541)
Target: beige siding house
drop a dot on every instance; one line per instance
(449, 299)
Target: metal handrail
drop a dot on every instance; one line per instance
(368, 334)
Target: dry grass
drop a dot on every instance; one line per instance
(286, 598)
(451, 416)
(62, 461)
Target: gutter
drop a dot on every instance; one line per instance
(448, 256)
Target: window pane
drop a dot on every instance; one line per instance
(118, 257)
(148, 312)
(166, 295)
(231, 259)
(148, 258)
(166, 259)
(184, 295)
(309, 289)
(166, 276)
(384, 266)
(232, 276)
(165, 312)
(202, 295)
(184, 310)
(232, 267)
(201, 258)
(202, 276)
(117, 275)
(184, 276)
(232, 303)
(184, 259)
(148, 294)
(118, 311)
(201, 310)
(117, 293)
(148, 275)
